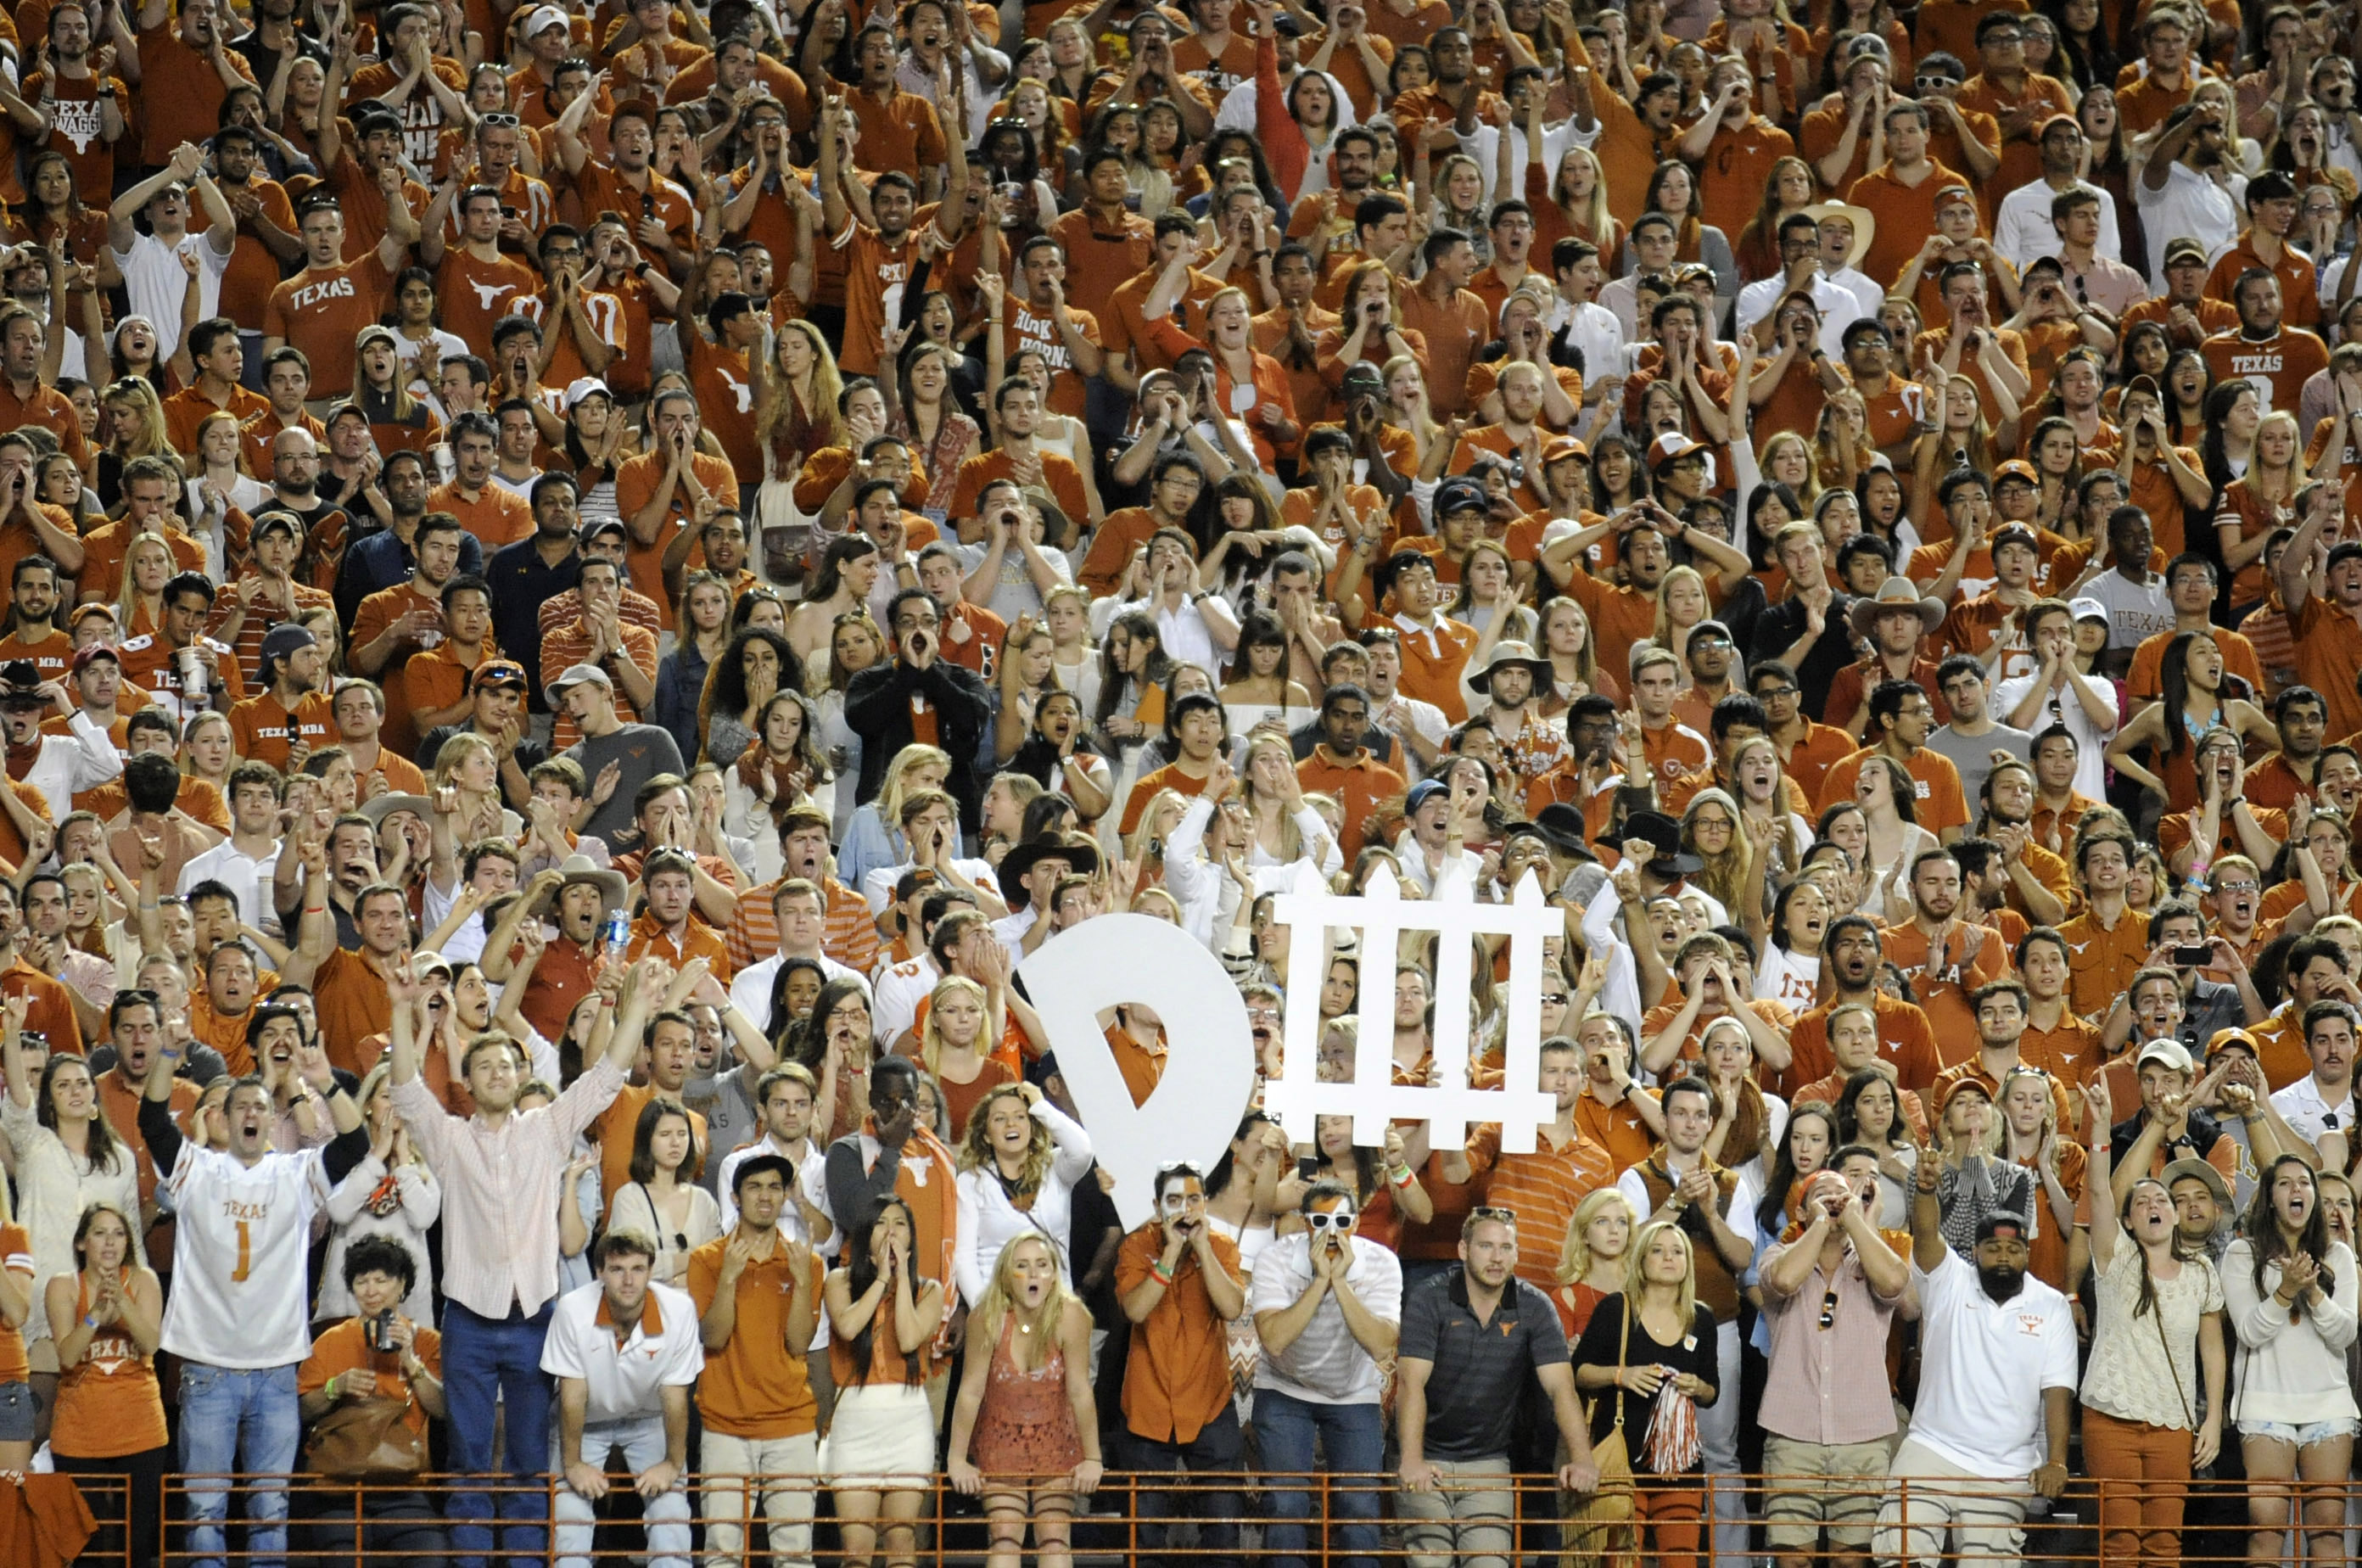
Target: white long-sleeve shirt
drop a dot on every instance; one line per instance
(418, 1202)
(2023, 231)
(2293, 1372)
(988, 1222)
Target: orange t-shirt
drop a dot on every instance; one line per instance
(321, 309)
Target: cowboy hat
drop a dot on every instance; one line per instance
(1895, 593)
(614, 892)
(1662, 835)
(1078, 852)
(1865, 226)
(385, 805)
(1510, 653)
(1562, 824)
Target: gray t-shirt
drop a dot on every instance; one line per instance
(1972, 754)
(643, 751)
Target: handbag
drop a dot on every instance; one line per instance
(1597, 1530)
(2157, 1317)
(366, 1439)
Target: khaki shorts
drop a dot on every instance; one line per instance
(1810, 1485)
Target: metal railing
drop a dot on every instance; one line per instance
(1218, 1519)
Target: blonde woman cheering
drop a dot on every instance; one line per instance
(1025, 1432)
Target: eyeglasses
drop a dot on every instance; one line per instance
(1829, 1310)
(1556, 998)
(1773, 693)
(2238, 887)
(1340, 1219)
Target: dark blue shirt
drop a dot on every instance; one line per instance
(521, 580)
(1479, 1371)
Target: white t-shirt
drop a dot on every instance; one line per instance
(1984, 1366)
(156, 285)
(235, 1300)
(625, 1382)
(1792, 979)
(2190, 206)
(2023, 231)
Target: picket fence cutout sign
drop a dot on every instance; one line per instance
(1371, 1096)
(1210, 1074)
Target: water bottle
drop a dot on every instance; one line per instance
(616, 934)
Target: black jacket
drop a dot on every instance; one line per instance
(878, 709)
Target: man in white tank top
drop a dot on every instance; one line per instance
(238, 1316)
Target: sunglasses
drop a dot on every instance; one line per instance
(1829, 1310)
(1343, 1219)
(1487, 1211)
(498, 120)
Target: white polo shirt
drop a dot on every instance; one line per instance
(2304, 1108)
(626, 1381)
(1984, 1366)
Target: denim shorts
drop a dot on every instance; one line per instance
(16, 1412)
(2304, 1436)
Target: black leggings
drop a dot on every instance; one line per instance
(145, 1475)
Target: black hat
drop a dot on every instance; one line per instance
(1561, 824)
(1079, 854)
(1663, 835)
(20, 685)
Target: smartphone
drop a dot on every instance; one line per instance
(1308, 1167)
(2193, 958)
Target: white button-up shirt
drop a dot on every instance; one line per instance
(500, 1189)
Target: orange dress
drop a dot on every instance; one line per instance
(1026, 1426)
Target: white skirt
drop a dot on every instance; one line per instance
(882, 1439)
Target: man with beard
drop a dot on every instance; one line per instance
(2188, 189)
(1991, 1426)
(1852, 951)
(33, 631)
(293, 712)
(1946, 955)
(2033, 884)
(1530, 744)
(2302, 720)
(2269, 352)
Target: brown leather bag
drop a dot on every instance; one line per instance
(366, 1439)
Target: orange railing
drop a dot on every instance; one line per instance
(1133, 1516)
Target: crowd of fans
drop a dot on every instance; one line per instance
(585, 584)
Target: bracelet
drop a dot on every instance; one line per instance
(1402, 1177)
(1158, 1271)
(90, 1320)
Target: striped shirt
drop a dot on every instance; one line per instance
(1818, 1391)
(1545, 1188)
(848, 929)
(500, 1188)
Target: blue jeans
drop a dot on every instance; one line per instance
(665, 1516)
(482, 1357)
(1218, 1450)
(233, 1422)
(1354, 1437)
